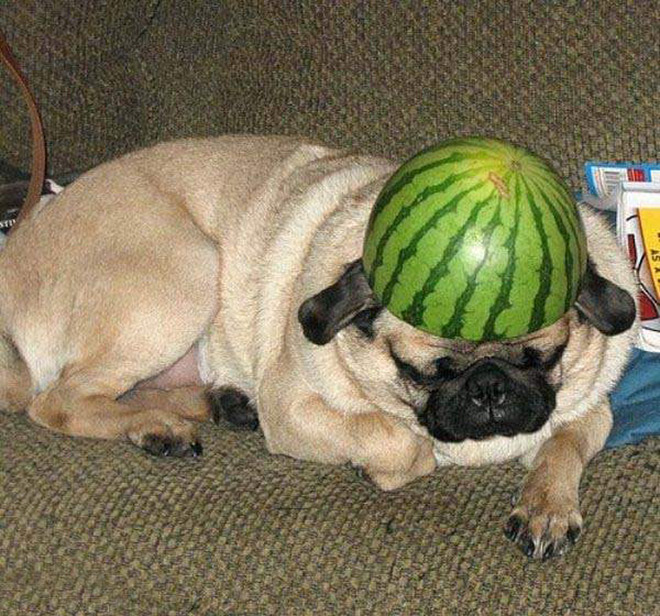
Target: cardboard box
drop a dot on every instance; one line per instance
(638, 230)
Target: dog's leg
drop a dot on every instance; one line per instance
(79, 406)
(132, 317)
(390, 453)
(89, 396)
(547, 516)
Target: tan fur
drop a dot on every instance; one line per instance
(549, 503)
(216, 243)
(15, 378)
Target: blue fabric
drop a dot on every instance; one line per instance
(636, 400)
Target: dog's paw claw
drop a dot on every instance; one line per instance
(541, 533)
(170, 446)
(527, 545)
(573, 534)
(512, 528)
(549, 551)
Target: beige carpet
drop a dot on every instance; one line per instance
(573, 80)
(91, 527)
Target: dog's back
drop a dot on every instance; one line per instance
(108, 232)
(116, 278)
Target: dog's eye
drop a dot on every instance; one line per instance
(533, 358)
(443, 368)
(409, 371)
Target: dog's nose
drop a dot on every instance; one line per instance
(487, 387)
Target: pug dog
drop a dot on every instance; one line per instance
(222, 277)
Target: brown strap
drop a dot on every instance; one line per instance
(38, 171)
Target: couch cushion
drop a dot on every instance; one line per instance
(92, 527)
(571, 80)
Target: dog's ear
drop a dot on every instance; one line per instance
(329, 311)
(609, 308)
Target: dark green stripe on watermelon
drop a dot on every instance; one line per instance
(545, 273)
(502, 301)
(569, 264)
(410, 250)
(574, 220)
(406, 210)
(455, 324)
(414, 314)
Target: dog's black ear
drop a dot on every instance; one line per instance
(609, 308)
(329, 311)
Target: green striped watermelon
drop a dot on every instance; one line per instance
(475, 239)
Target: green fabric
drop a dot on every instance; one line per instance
(93, 527)
(571, 80)
(90, 527)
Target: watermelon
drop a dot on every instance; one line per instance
(475, 239)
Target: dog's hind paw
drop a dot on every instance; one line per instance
(160, 445)
(165, 435)
(234, 406)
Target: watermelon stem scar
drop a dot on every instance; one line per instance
(499, 185)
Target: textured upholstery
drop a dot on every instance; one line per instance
(572, 80)
(91, 527)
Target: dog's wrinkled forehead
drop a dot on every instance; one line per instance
(421, 347)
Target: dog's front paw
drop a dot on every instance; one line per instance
(543, 525)
(233, 405)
